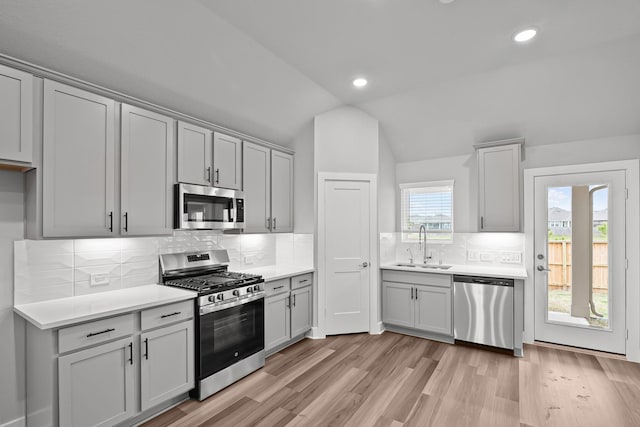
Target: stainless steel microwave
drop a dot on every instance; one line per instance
(208, 208)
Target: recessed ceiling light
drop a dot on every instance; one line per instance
(525, 35)
(446, 1)
(360, 82)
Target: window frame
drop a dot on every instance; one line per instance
(411, 236)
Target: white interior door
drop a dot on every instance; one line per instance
(347, 255)
(580, 258)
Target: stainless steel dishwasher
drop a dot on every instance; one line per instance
(483, 310)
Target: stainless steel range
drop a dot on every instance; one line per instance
(230, 325)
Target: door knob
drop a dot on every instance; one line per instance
(542, 268)
(364, 264)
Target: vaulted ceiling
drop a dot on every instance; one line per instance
(442, 76)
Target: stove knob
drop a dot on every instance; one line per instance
(236, 292)
(211, 298)
(219, 297)
(256, 288)
(250, 290)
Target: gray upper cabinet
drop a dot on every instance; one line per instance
(256, 167)
(268, 189)
(499, 188)
(281, 192)
(147, 159)
(194, 154)
(227, 161)
(16, 115)
(78, 162)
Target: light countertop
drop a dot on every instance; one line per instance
(468, 270)
(275, 272)
(66, 311)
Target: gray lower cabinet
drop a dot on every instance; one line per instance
(300, 311)
(288, 311)
(96, 385)
(409, 302)
(277, 321)
(112, 370)
(166, 363)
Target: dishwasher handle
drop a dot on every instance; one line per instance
(483, 280)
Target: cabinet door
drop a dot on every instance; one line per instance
(166, 367)
(277, 321)
(194, 154)
(16, 115)
(227, 161)
(499, 188)
(281, 192)
(96, 385)
(147, 172)
(301, 311)
(256, 172)
(397, 304)
(78, 162)
(433, 309)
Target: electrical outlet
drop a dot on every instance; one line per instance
(511, 257)
(486, 256)
(473, 256)
(249, 259)
(99, 279)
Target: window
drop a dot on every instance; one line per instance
(428, 203)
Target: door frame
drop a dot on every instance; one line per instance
(375, 325)
(632, 244)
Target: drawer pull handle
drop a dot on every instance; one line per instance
(93, 334)
(278, 287)
(169, 315)
(303, 281)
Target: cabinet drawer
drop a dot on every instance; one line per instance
(86, 334)
(417, 278)
(302, 281)
(166, 314)
(277, 287)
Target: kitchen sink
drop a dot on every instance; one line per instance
(427, 266)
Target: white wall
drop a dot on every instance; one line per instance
(12, 356)
(463, 170)
(386, 187)
(303, 181)
(346, 140)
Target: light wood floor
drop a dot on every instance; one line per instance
(396, 380)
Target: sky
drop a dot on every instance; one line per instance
(560, 197)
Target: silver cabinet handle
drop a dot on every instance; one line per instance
(274, 223)
(416, 293)
(364, 264)
(146, 348)
(208, 174)
(411, 293)
(268, 223)
(294, 300)
(217, 176)
(126, 222)
(93, 334)
(110, 221)
(542, 268)
(481, 222)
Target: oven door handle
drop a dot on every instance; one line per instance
(213, 308)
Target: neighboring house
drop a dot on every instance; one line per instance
(559, 221)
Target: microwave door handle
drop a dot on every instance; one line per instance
(232, 215)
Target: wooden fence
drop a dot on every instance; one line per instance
(559, 254)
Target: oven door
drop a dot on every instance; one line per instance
(229, 334)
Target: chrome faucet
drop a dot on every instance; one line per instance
(422, 241)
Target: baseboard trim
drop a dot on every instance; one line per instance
(18, 422)
(378, 329)
(420, 334)
(316, 334)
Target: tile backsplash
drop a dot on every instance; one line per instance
(51, 269)
(505, 249)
